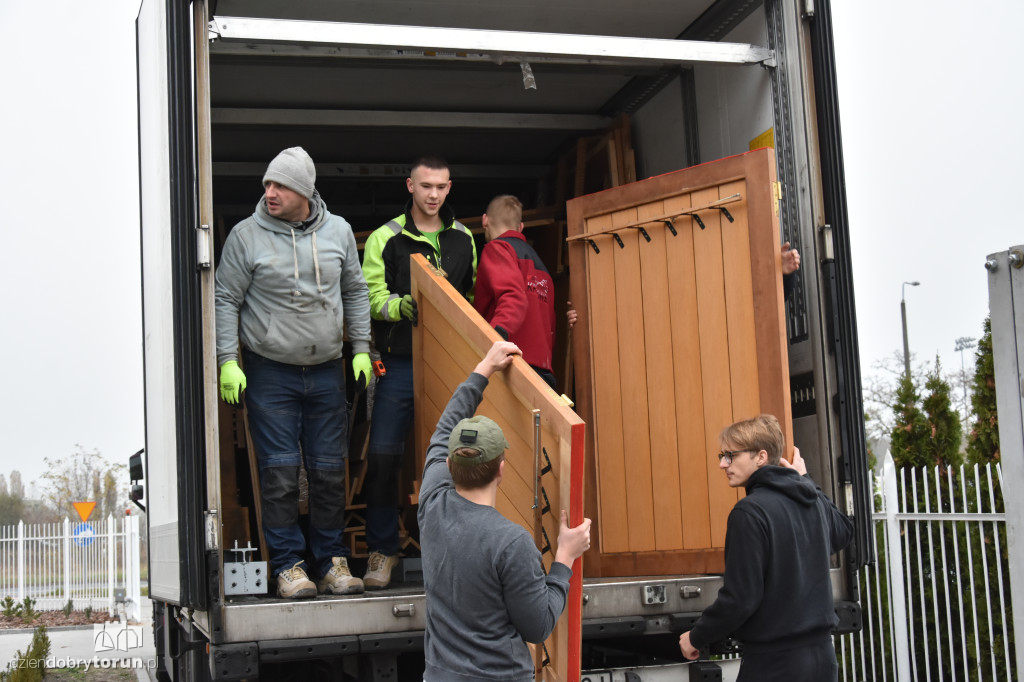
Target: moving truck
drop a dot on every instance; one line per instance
(663, 149)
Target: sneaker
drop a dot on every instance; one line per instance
(293, 583)
(378, 570)
(339, 579)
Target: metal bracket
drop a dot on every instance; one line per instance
(643, 232)
(697, 218)
(671, 226)
(234, 661)
(547, 542)
(243, 577)
(726, 213)
(594, 245)
(654, 594)
(619, 240)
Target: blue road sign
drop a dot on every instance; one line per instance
(84, 534)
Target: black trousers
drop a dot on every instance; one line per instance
(809, 663)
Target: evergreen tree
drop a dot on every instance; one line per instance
(983, 440)
(910, 435)
(12, 500)
(943, 422)
(17, 488)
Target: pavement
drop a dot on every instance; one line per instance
(80, 646)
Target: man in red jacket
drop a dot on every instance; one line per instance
(514, 290)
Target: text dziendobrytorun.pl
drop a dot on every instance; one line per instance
(55, 662)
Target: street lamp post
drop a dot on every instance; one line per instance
(903, 312)
(962, 344)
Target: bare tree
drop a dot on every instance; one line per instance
(85, 476)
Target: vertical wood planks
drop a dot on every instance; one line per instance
(693, 470)
(709, 265)
(636, 430)
(681, 336)
(661, 399)
(606, 395)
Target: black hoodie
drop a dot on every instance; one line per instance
(777, 593)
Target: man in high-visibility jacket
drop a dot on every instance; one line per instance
(427, 227)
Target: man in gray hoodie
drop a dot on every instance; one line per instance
(487, 593)
(289, 286)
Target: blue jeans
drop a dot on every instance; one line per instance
(389, 425)
(299, 413)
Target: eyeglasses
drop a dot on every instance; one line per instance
(727, 455)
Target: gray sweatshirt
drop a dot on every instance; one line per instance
(286, 289)
(487, 594)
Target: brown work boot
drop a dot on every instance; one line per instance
(339, 579)
(378, 570)
(293, 583)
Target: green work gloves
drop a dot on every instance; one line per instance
(232, 382)
(361, 369)
(408, 309)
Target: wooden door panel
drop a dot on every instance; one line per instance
(680, 335)
(448, 342)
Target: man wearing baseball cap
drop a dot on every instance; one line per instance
(289, 286)
(487, 594)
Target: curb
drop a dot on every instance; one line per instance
(58, 628)
(55, 628)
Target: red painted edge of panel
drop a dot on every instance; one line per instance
(576, 582)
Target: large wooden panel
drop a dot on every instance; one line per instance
(448, 342)
(678, 283)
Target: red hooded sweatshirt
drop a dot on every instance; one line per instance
(514, 291)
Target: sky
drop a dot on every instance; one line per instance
(930, 111)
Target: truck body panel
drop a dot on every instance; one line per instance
(217, 103)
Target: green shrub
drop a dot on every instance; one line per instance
(88, 611)
(30, 666)
(26, 609)
(68, 608)
(8, 606)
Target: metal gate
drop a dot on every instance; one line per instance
(937, 601)
(92, 565)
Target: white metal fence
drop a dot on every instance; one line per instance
(93, 565)
(937, 602)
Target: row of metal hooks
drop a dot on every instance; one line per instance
(669, 221)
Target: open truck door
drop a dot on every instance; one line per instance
(175, 443)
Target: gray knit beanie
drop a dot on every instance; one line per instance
(294, 169)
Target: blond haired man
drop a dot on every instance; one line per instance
(776, 597)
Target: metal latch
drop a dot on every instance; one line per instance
(211, 526)
(203, 249)
(777, 192)
(403, 610)
(689, 591)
